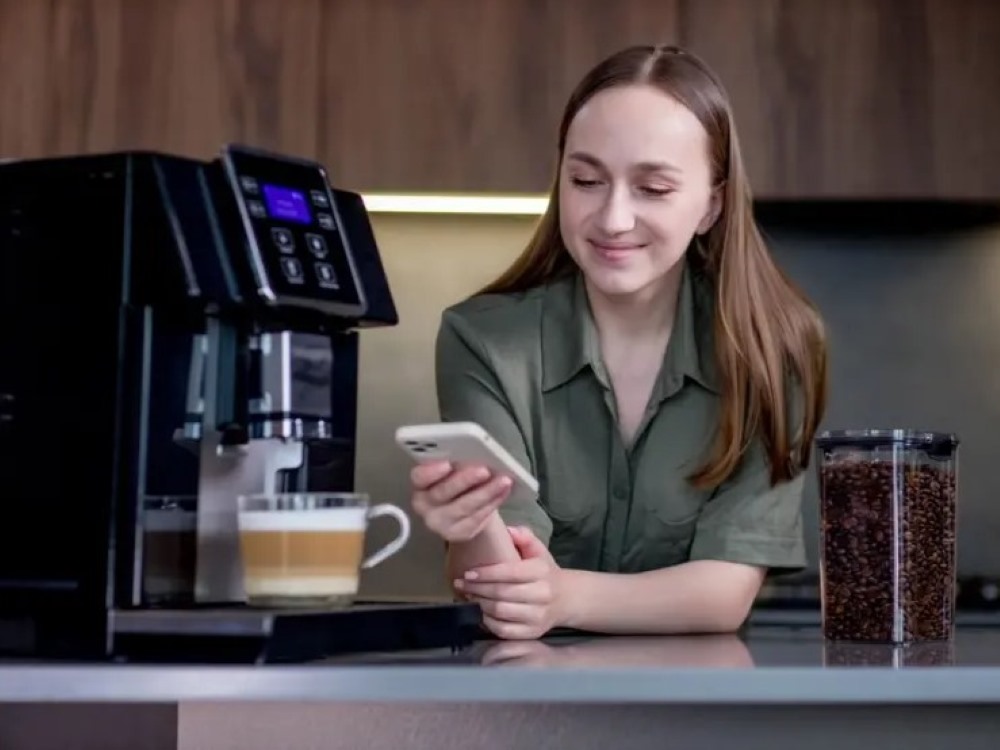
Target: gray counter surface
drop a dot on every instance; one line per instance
(766, 665)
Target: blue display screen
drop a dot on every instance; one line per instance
(285, 203)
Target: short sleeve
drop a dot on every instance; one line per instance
(468, 390)
(749, 520)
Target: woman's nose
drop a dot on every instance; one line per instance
(617, 215)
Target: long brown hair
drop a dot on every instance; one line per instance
(765, 328)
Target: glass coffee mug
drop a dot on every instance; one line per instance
(306, 549)
(169, 549)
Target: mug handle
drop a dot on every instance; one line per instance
(387, 509)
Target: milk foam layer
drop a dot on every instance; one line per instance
(324, 519)
(300, 585)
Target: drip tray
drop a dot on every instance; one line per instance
(241, 634)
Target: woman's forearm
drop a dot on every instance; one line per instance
(491, 545)
(702, 596)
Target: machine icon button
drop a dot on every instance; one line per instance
(317, 245)
(283, 239)
(293, 270)
(327, 276)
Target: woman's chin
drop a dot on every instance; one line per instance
(616, 283)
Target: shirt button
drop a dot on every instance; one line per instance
(620, 493)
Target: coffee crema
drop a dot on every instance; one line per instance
(311, 554)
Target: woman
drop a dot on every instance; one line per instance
(649, 363)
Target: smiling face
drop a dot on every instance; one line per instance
(635, 185)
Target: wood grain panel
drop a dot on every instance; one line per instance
(964, 79)
(175, 75)
(857, 98)
(395, 94)
(802, 77)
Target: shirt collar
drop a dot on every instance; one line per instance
(570, 343)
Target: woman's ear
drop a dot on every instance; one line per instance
(714, 209)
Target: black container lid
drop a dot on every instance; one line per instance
(937, 444)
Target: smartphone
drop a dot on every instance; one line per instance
(466, 443)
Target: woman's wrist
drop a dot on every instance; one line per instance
(490, 545)
(571, 586)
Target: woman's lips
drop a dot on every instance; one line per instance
(614, 252)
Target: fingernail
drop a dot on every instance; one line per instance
(471, 575)
(459, 583)
(505, 482)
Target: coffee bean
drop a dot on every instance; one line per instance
(888, 550)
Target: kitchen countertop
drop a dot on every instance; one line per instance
(764, 665)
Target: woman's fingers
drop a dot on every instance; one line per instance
(458, 483)
(424, 476)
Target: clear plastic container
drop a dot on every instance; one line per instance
(888, 504)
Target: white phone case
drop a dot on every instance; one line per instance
(465, 443)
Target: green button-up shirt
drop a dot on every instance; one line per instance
(528, 368)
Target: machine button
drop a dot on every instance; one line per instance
(327, 276)
(293, 270)
(283, 239)
(319, 198)
(326, 221)
(249, 185)
(317, 245)
(256, 209)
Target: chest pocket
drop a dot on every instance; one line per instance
(666, 506)
(572, 470)
(667, 535)
(577, 514)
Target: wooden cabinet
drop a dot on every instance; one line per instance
(855, 98)
(859, 98)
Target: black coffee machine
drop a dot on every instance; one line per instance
(175, 332)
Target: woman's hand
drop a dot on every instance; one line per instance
(456, 503)
(521, 599)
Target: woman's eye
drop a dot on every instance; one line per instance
(647, 190)
(655, 192)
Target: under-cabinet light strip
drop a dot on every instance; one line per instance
(455, 204)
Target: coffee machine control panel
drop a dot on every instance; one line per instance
(299, 252)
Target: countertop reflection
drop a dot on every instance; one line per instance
(758, 647)
(710, 651)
